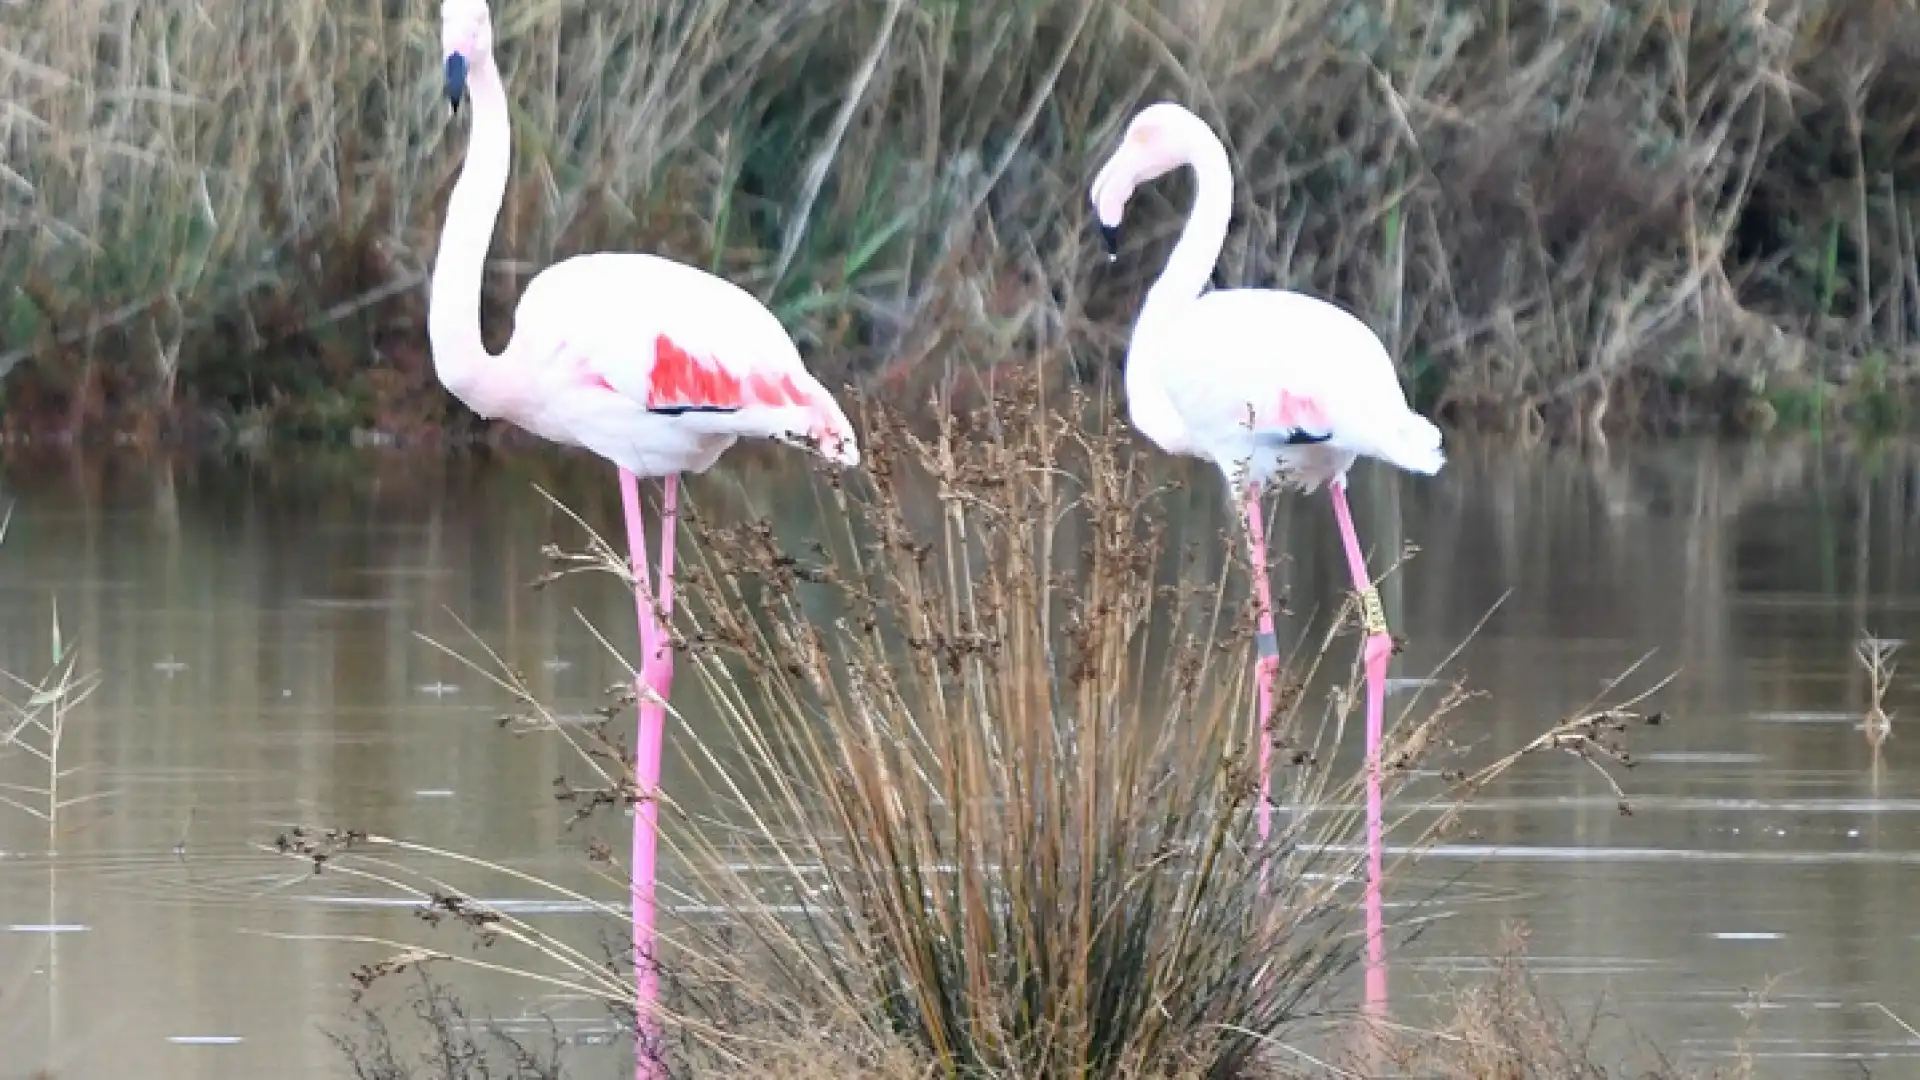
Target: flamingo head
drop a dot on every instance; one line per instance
(466, 36)
(1157, 142)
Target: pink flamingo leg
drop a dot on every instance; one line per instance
(1379, 649)
(637, 548)
(645, 982)
(656, 680)
(1267, 666)
(657, 672)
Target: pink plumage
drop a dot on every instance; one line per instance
(653, 365)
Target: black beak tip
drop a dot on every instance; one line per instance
(456, 80)
(1110, 234)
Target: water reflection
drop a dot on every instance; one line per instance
(253, 624)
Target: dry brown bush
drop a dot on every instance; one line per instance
(964, 782)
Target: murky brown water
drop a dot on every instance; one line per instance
(252, 629)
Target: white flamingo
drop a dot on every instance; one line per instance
(651, 364)
(1273, 387)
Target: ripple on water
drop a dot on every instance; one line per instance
(1837, 805)
(405, 571)
(1541, 965)
(1702, 757)
(1549, 853)
(165, 879)
(1804, 716)
(353, 603)
(1807, 1049)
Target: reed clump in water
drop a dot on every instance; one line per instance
(998, 769)
(964, 786)
(1574, 214)
(990, 750)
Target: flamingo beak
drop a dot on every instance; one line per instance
(1111, 234)
(456, 80)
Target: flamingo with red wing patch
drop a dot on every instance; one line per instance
(590, 365)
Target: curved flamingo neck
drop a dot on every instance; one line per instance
(460, 356)
(1190, 268)
(1156, 348)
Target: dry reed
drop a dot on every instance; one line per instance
(1506, 1028)
(1566, 214)
(1876, 659)
(966, 785)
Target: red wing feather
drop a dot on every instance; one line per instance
(1299, 411)
(681, 381)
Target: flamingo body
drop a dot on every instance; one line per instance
(655, 366)
(1275, 388)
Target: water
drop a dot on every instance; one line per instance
(253, 628)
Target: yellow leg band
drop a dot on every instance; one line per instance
(1372, 614)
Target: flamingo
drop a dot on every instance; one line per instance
(651, 364)
(1276, 388)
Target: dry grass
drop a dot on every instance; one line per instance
(1003, 772)
(45, 798)
(34, 716)
(1503, 1026)
(1506, 1028)
(1876, 659)
(455, 1047)
(969, 789)
(1569, 214)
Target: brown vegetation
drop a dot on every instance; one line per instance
(1616, 212)
(965, 785)
(1504, 1028)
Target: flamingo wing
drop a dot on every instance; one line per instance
(673, 339)
(1266, 371)
(681, 344)
(686, 377)
(1282, 367)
